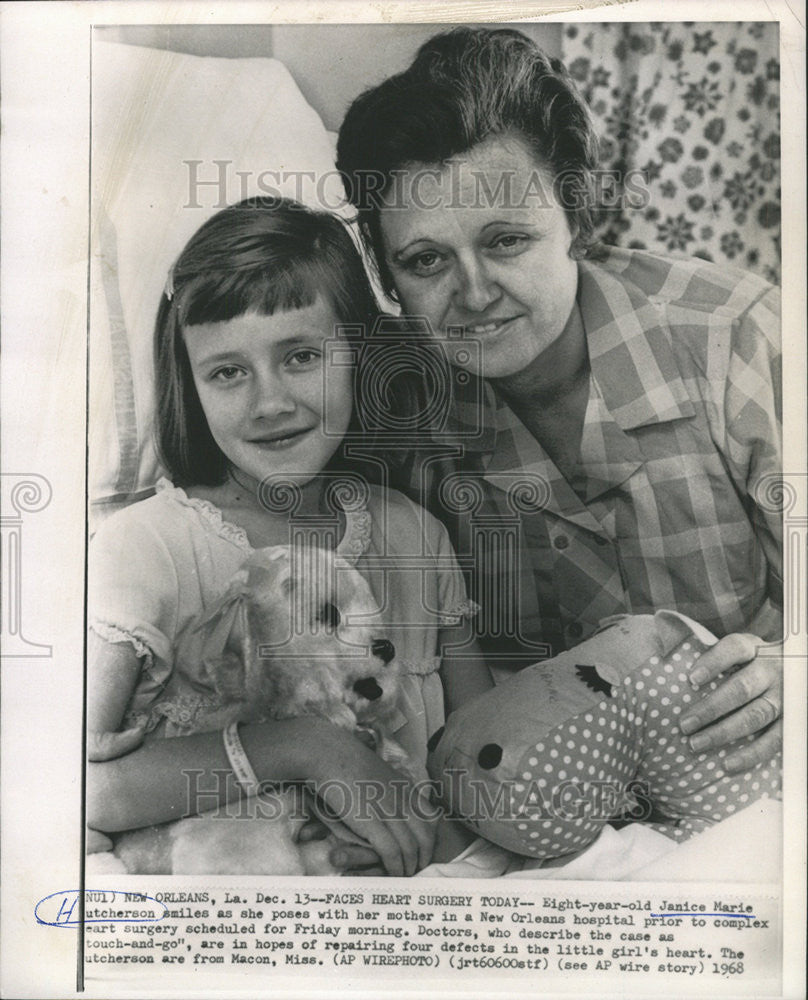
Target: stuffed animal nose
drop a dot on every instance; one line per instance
(368, 688)
(384, 649)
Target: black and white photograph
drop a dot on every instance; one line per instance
(437, 523)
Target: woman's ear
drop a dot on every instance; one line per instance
(575, 230)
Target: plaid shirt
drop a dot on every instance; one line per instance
(667, 506)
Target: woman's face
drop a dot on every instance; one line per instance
(481, 243)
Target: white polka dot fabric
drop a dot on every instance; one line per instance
(570, 757)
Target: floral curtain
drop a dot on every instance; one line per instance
(688, 116)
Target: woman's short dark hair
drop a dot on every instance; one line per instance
(463, 87)
(261, 255)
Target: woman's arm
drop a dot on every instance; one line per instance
(750, 699)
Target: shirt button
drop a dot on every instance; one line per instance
(575, 630)
(561, 542)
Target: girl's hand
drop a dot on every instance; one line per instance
(351, 859)
(374, 801)
(97, 843)
(751, 699)
(109, 746)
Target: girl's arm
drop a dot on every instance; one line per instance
(170, 778)
(463, 672)
(166, 779)
(113, 672)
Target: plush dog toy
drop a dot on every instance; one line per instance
(540, 763)
(296, 636)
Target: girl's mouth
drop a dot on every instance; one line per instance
(278, 442)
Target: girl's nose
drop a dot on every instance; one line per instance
(271, 397)
(476, 290)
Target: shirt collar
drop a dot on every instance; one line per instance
(630, 354)
(633, 366)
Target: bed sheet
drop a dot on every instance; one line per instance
(638, 853)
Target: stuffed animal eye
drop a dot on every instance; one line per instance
(490, 756)
(330, 615)
(368, 688)
(384, 649)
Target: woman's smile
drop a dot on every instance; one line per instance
(489, 327)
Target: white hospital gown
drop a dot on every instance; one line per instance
(159, 566)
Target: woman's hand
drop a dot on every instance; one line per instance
(377, 803)
(750, 701)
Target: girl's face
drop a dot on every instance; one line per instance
(482, 244)
(262, 384)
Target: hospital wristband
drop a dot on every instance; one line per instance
(239, 763)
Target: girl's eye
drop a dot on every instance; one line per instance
(426, 263)
(302, 358)
(227, 373)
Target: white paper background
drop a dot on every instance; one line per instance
(45, 147)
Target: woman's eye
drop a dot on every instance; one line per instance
(509, 242)
(425, 263)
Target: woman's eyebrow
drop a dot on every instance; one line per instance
(398, 254)
(527, 223)
(524, 222)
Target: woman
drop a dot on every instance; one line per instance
(636, 397)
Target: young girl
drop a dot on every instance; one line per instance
(246, 392)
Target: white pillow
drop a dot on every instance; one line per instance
(154, 113)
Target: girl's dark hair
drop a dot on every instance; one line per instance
(261, 255)
(463, 87)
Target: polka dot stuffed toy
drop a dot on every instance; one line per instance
(542, 762)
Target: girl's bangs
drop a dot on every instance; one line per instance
(217, 297)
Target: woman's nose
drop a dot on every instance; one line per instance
(271, 396)
(476, 290)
